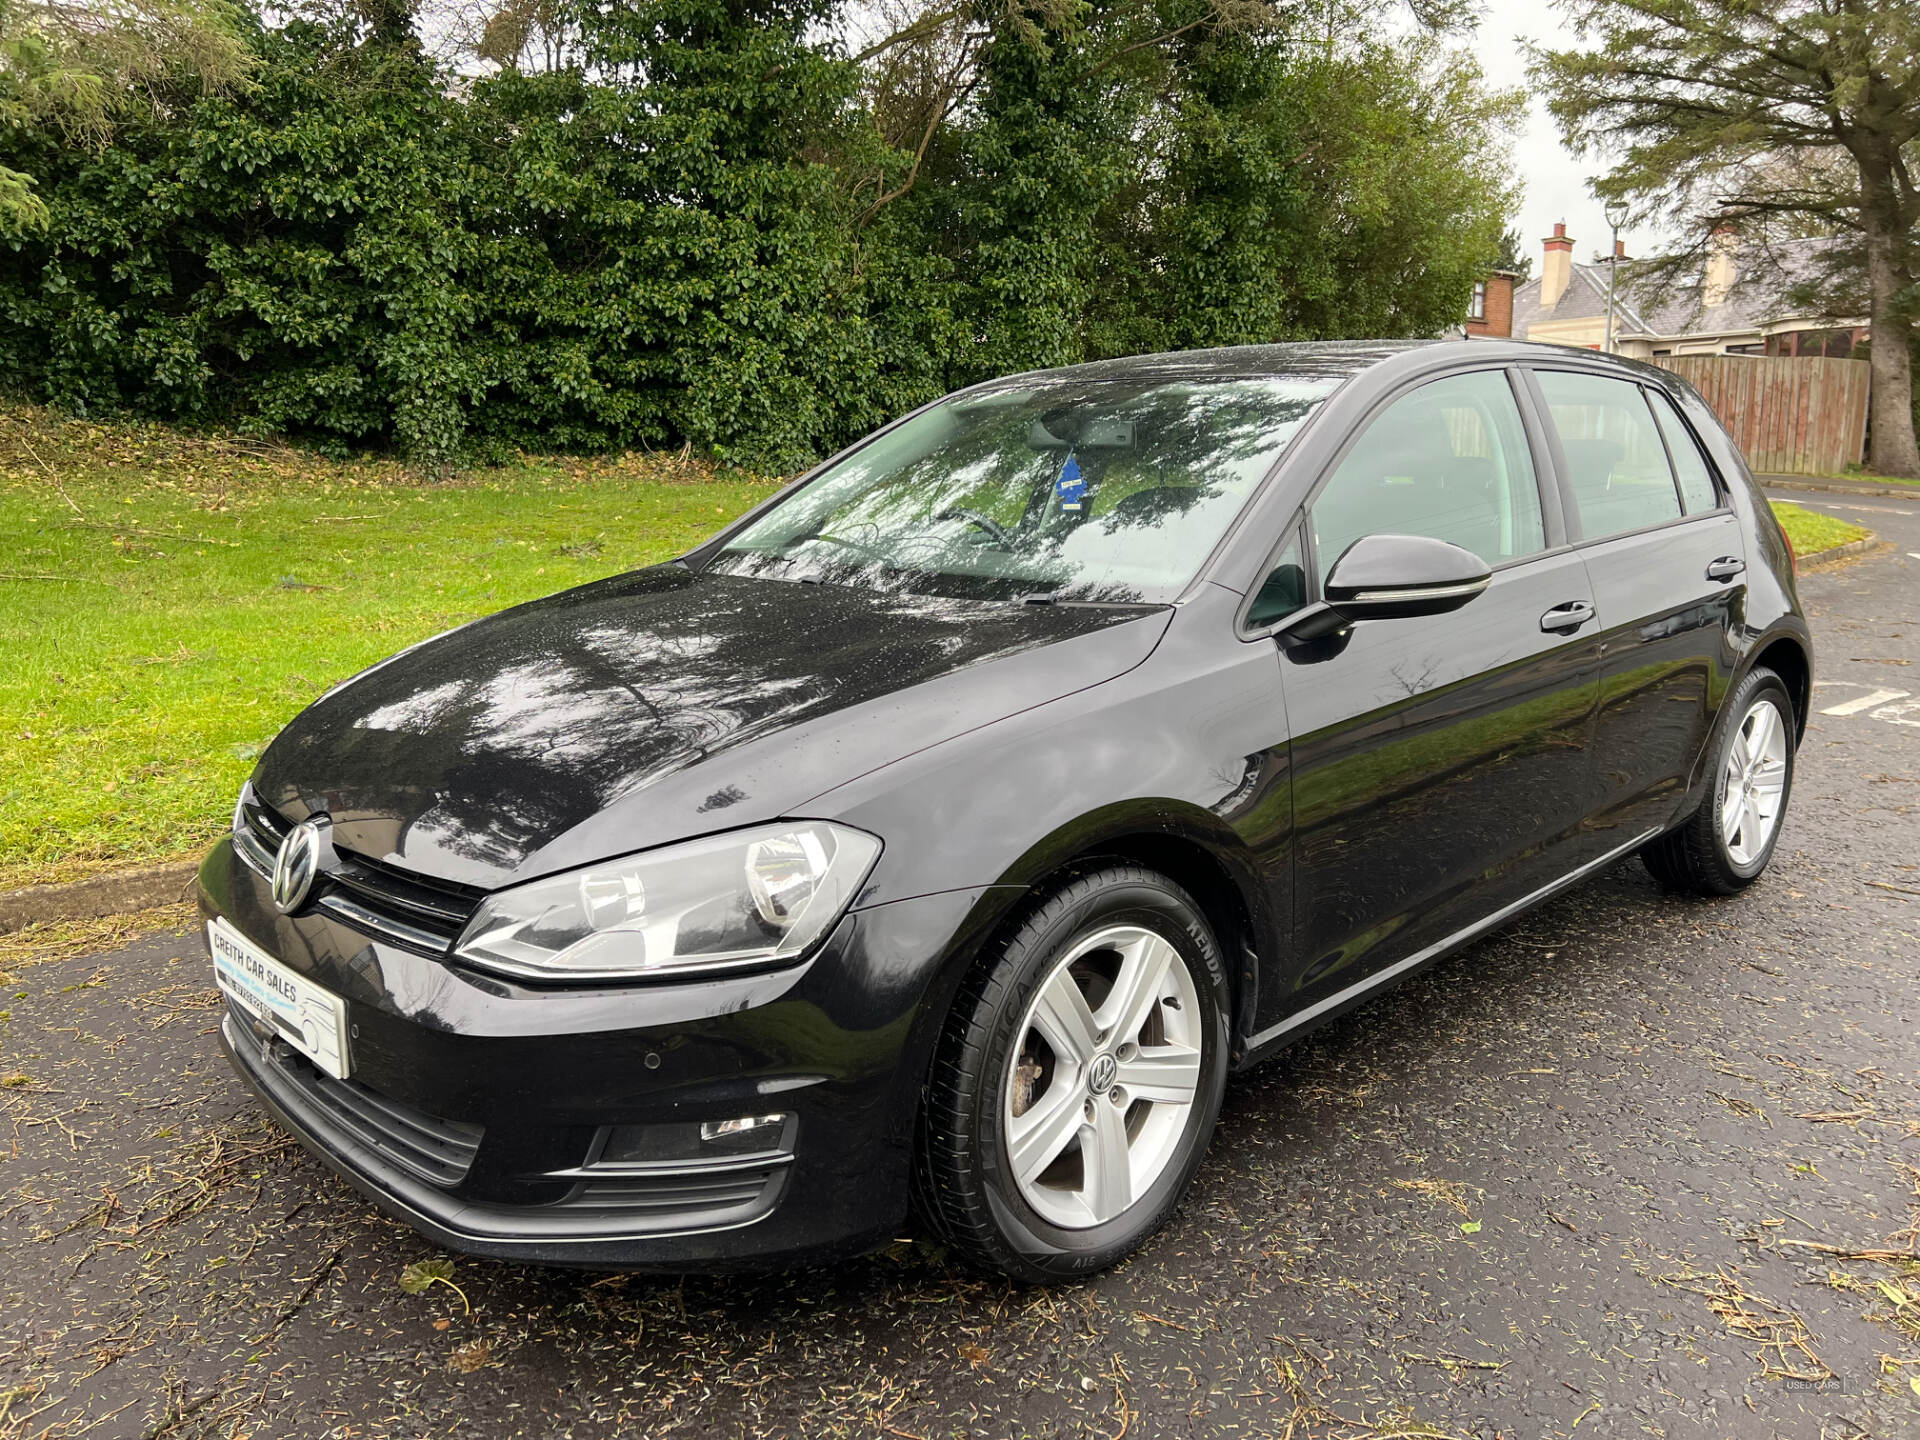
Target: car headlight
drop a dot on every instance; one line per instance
(745, 898)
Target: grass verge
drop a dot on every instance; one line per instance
(1812, 532)
(168, 602)
(64, 939)
(1868, 479)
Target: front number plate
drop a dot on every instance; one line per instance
(312, 1020)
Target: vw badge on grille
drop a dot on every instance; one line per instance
(296, 865)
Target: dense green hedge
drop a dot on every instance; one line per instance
(683, 240)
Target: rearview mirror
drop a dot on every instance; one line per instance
(1393, 577)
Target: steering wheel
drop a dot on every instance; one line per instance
(1002, 537)
(866, 550)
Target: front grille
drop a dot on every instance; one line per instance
(368, 894)
(438, 1151)
(259, 836)
(382, 898)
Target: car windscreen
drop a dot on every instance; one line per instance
(1093, 490)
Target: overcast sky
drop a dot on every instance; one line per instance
(1555, 180)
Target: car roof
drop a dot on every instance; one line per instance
(1325, 359)
(1331, 359)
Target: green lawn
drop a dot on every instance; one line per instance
(167, 603)
(1812, 532)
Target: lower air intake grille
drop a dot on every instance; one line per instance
(727, 1192)
(438, 1151)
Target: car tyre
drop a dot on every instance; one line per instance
(1055, 1140)
(1725, 845)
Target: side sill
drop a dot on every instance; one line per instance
(1274, 1037)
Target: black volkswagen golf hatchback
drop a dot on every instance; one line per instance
(943, 832)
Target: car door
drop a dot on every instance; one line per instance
(1439, 763)
(1667, 563)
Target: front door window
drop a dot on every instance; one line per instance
(1449, 461)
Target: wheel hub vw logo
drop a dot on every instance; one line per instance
(1100, 1074)
(295, 867)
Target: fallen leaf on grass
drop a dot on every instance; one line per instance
(1470, 1227)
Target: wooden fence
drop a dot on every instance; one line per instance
(1790, 416)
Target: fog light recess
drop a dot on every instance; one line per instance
(690, 1142)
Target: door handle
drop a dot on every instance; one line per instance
(1726, 567)
(1567, 618)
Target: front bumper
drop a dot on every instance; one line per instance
(483, 1112)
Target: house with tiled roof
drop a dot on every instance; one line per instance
(1734, 305)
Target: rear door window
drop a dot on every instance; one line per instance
(1616, 464)
(1696, 480)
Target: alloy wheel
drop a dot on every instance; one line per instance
(1103, 1077)
(1756, 781)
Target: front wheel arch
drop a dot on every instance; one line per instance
(1192, 847)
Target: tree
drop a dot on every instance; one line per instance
(1736, 111)
(81, 66)
(712, 222)
(1125, 176)
(1515, 256)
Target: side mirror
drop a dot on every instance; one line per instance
(1393, 577)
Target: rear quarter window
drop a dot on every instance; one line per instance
(1697, 489)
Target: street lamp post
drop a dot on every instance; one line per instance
(1616, 217)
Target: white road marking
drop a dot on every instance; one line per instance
(1897, 714)
(1913, 554)
(1865, 702)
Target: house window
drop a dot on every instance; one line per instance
(1477, 307)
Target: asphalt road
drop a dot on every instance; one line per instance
(1570, 1181)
